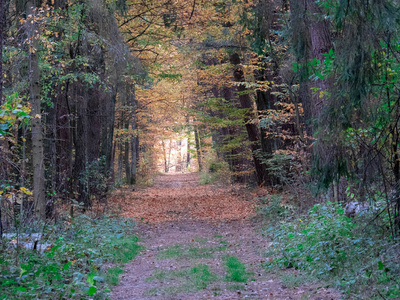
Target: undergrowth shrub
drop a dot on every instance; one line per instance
(275, 209)
(214, 170)
(347, 253)
(72, 265)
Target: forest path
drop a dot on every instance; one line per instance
(200, 243)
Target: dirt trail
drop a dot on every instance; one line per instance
(190, 232)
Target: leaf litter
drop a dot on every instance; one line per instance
(183, 218)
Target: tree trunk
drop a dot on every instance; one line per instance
(2, 19)
(36, 124)
(81, 148)
(327, 153)
(134, 158)
(51, 153)
(131, 145)
(302, 47)
(321, 43)
(188, 152)
(164, 156)
(198, 147)
(252, 130)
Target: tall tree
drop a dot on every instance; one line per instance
(36, 114)
(247, 103)
(2, 21)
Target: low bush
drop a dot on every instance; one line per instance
(345, 252)
(214, 170)
(72, 265)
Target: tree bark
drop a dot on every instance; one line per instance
(198, 147)
(2, 17)
(36, 124)
(252, 131)
(164, 156)
(321, 43)
(301, 41)
(131, 144)
(80, 141)
(327, 153)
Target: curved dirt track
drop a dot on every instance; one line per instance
(187, 227)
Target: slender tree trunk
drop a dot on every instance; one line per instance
(188, 152)
(110, 131)
(131, 143)
(36, 124)
(302, 46)
(169, 154)
(2, 17)
(120, 159)
(164, 156)
(81, 148)
(51, 153)
(64, 141)
(198, 147)
(2, 21)
(127, 164)
(252, 130)
(135, 157)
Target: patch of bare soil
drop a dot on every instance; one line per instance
(189, 226)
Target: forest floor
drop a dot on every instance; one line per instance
(201, 242)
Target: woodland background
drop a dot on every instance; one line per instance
(301, 97)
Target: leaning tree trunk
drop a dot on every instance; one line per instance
(252, 131)
(36, 124)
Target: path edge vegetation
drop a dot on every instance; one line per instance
(81, 258)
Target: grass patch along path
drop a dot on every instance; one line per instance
(201, 243)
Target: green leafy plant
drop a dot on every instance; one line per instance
(236, 270)
(71, 266)
(330, 246)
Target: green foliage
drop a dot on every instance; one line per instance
(12, 111)
(214, 169)
(236, 270)
(112, 275)
(96, 178)
(330, 246)
(275, 209)
(71, 266)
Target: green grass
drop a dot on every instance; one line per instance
(112, 276)
(236, 270)
(179, 251)
(124, 250)
(193, 279)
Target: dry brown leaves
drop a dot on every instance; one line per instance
(179, 197)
